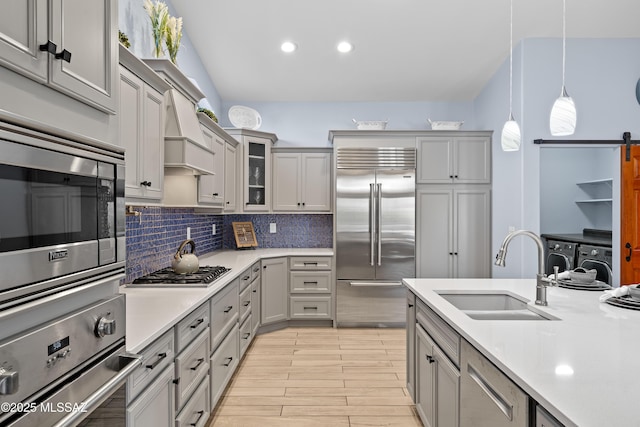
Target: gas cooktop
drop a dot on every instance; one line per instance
(204, 277)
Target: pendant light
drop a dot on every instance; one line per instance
(563, 117)
(511, 131)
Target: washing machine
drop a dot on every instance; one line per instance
(598, 258)
(562, 254)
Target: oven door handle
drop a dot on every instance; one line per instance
(96, 399)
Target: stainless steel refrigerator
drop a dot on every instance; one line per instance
(375, 234)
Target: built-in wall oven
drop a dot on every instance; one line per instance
(62, 213)
(62, 259)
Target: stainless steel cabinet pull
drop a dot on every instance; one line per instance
(230, 359)
(200, 362)
(197, 323)
(228, 309)
(158, 360)
(200, 415)
(500, 401)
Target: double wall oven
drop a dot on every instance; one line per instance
(62, 258)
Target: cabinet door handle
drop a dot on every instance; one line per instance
(430, 359)
(65, 55)
(255, 270)
(200, 362)
(310, 308)
(146, 183)
(410, 305)
(158, 360)
(246, 303)
(228, 309)
(315, 263)
(49, 47)
(245, 278)
(200, 415)
(500, 402)
(197, 323)
(215, 194)
(311, 283)
(230, 359)
(246, 335)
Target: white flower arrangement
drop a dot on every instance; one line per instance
(159, 14)
(173, 36)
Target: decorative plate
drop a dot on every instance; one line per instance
(244, 117)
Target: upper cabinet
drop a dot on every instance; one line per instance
(454, 158)
(68, 45)
(256, 170)
(231, 176)
(211, 187)
(301, 180)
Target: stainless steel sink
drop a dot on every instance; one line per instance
(494, 306)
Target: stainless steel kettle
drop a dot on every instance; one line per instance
(185, 262)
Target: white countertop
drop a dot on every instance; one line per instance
(584, 368)
(152, 311)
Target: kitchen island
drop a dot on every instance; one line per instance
(581, 368)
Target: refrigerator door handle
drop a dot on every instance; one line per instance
(372, 221)
(379, 223)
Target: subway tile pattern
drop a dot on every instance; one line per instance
(292, 230)
(154, 236)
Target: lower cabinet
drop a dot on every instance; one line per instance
(156, 406)
(437, 383)
(196, 412)
(223, 364)
(275, 290)
(411, 345)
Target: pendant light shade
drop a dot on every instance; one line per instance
(563, 118)
(510, 140)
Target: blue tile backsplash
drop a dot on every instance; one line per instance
(154, 236)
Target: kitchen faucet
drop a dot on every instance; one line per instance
(541, 280)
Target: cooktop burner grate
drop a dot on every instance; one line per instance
(204, 277)
(625, 301)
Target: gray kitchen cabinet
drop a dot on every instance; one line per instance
(142, 111)
(411, 344)
(487, 396)
(196, 412)
(311, 288)
(256, 303)
(230, 176)
(224, 362)
(545, 419)
(301, 180)
(211, 187)
(80, 45)
(275, 290)
(453, 231)
(256, 168)
(224, 313)
(437, 377)
(156, 406)
(454, 157)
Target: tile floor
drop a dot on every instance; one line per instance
(312, 377)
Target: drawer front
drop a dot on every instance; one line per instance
(310, 307)
(255, 271)
(191, 366)
(155, 358)
(223, 365)
(245, 304)
(246, 335)
(224, 313)
(443, 334)
(191, 326)
(245, 279)
(196, 411)
(310, 282)
(310, 263)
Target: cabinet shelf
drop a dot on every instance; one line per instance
(606, 181)
(595, 201)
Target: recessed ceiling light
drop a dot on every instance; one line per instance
(345, 47)
(288, 47)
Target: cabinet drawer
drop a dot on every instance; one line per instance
(196, 411)
(191, 366)
(245, 304)
(246, 335)
(223, 364)
(443, 334)
(310, 307)
(155, 358)
(224, 312)
(311, 282)
(255, 271)
(191, 326)
(310, 263)
(245, 279)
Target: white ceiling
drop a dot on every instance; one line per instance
(405, 50)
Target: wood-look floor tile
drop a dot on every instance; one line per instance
(376, 401)
(373, 384)
(243, 421)
(347, 410)
(342, 376)
(266, 362)
(288, 400)
(343, 391)
(341, 362)
(337, 351)
(399, 421)
(288, 383)
(249, 410)
(249, 391)
(368, 369)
